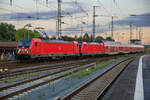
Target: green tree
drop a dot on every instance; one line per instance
(109, 39)
(91, 37)
(80, 38)
(7, 32)
(53, 38)
(99, 38)
(67, 38)
(86, 37)
(76, 38)
(23, 33)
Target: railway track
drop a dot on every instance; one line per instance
(25, 63)
(95, 88)
(34, 69)
(39, 68)
(24, 86)
(53, 72)
(13, 74)
(9, 65)
(33, 83)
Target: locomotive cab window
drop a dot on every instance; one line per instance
(36, 44)
(24, 43)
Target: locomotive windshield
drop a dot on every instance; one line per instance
(24, 43)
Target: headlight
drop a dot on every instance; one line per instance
(18, 50)
(27, 51)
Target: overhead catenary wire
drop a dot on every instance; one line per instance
(80, 14)
(104, 7)
(17, 6)
(8, 10)
(118, 8)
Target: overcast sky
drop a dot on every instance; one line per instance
(75, 12)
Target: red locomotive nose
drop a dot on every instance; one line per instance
(22, 51)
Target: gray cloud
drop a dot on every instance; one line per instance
(138, 20)
(39, 15)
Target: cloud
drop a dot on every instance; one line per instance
(137, 20)
(28, 16)
(99, 28)
(45, 15)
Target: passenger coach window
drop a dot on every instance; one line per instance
(36, 44)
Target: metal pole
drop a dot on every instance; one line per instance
(28, 32)
(57, 30)
(10, 2)
(24, 35)
(112, 27)
(94, 22)
(81, 31)
(59, 19)
(130, 32)
(137, 32)
(140, 36)
(47, 2)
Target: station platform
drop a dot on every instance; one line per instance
(133, 83)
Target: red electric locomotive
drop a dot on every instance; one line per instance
(36, 48)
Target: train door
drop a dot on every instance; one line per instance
(37, 47)
(103, 47)
(75, 48)
(86, 49)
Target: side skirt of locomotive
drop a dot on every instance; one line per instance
(53, 56)
(92, 54)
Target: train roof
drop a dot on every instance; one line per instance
(111, 43)
(137, 45)
(90, 43)
(57, 41)
(120, 43)
(94, 43)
